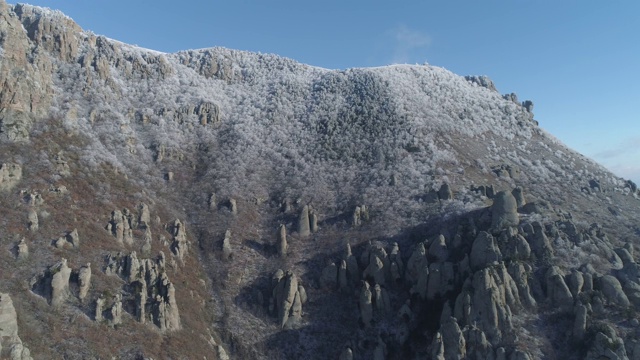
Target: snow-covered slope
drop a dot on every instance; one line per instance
(232, 140)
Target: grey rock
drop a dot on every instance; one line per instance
(478, 347)
(504, 211)
(233, 206)
(227, 251)
(346, 354)
(22, 250)
(365, 304)
(484, 251)
(558, 292)
(343, 280)
(32, 220)
(612, 290)
(213, 201)
(10, 342)
(99, 309)
(453, 338)
(381, 298)
(282, 244)
(416, 263)
(84, 281)
(353, 271)
(375, 270)
(115, 313)
(329, 277)
(518, 194)
(144, 219)
(380, 351)
(607, 347)
(481, 80)
(10, 175)
(60, 274)
(438, 249)
(304, 228)
(575, 281)
(313, 222)
(445, 193)
(287, 298)
(580, 323)
(180, 245)
(520, 273)
(437, 347)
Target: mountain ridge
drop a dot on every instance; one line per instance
(228, 194)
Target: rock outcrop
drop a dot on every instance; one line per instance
(180, 245)
(282, 246)
(84, 281)
(120, 227)
(155, 299)
(304, 227)
(504, 211)
(287, 298)
(11, 346)
(53, 283)
(227, 251)
(22, 250)
(10, 173)
(32, 220)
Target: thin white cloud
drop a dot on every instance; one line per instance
(406, 42)
(629, 145)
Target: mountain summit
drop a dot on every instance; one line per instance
(224, 204)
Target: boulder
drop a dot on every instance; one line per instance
(416, 263)
(346, 354)
(10, 175)
(99, 309)
(504, 211)
(612, 290)
(32, 220)
(375, 270)
(282, 245)
(22, 250)
(10, 342)
(606, 346)
(313, 222)
(353, 271)
(287, 298)
(519, 196)
(520, 273)
(60, 274)
(445, 193)
(558, 292)
(381, 299)
(365, 304)
(484, 251)
(580, 323)
(227, 251)
(575, 281)
(453, 339)
(120, 227)
(304, 227)
(438, 249)
(115, 313)
(84, 281)
(329, 276)
(144, 218)
(180, 245)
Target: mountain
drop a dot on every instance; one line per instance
(221, 204)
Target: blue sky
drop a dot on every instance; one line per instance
(578, 60)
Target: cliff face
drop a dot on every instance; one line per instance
(217, 203)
